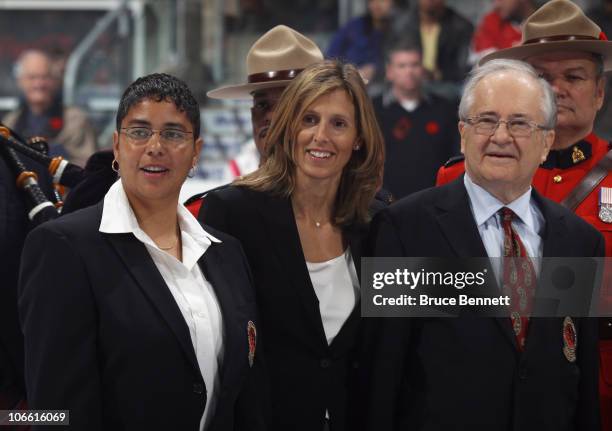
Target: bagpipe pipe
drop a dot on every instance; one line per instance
(63, 173)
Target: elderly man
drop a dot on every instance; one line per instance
(41, 112)
(272, 62)
(484, 373)
(567, 50)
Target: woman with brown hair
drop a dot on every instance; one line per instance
(302, 218)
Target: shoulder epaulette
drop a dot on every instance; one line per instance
(454, 160)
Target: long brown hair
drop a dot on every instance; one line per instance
(363, 173)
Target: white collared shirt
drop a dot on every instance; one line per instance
(193, 294)
(529, 223)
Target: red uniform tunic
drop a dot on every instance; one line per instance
(562, 172)
(493, 32)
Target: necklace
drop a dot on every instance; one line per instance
(317, 224)
(168, 248)
(178, 233)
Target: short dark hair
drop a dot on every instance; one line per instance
(161, 87)
(402, 45)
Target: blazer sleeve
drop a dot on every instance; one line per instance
(58, 317)
(588, 414)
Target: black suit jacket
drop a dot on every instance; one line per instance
(307, 376)
(466, 373)
(105, 338)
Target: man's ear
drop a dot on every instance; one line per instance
(600, 92)
(549, 139)
(461, 127)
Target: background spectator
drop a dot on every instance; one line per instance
(41, 112)
(444, 37)
(420, 129)
(360, 41)
(602, 15)
(500, 28)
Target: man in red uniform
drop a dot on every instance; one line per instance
(500, 28)
(569, 51)
(272, 62)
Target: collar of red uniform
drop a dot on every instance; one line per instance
(563, 159)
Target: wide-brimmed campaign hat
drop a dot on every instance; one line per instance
(273, 61)
(559, 25)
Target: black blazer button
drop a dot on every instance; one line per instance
(198, 388)
(325, 363)
(522, 373)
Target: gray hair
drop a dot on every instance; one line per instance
(478, 73)
(18, 67)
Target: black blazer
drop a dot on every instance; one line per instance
(105, 338)
(466, 373)
(307, 376)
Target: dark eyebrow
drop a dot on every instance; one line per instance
(488, 113)
(178, 126)
(136, 122)
(575, 69)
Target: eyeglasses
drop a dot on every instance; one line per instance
(517, 127)
(170, 137)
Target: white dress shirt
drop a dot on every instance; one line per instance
(528, 224)
(193, 294)
(336, 285)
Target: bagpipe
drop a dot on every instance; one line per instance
(63, 173)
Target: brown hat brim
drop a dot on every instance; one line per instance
(244, 91)
(523, 52)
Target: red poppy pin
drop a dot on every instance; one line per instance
(570, 339)
(56, 123)
(401, 128)
(252, 335)
(432, 128)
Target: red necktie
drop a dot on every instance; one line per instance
(519, 278)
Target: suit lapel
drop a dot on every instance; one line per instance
(278, 220)
(457, 223)
(345, 337)
(218, 272)
(555, 231)
(140, 265)
(555, 243)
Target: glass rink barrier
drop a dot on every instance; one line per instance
(488, 287)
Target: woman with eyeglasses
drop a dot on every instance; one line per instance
(134, 315)
(302, 218)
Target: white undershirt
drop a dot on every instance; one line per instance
(193, 294)
(336, 285)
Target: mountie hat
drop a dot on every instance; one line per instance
(273, 61)
(559, 25)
